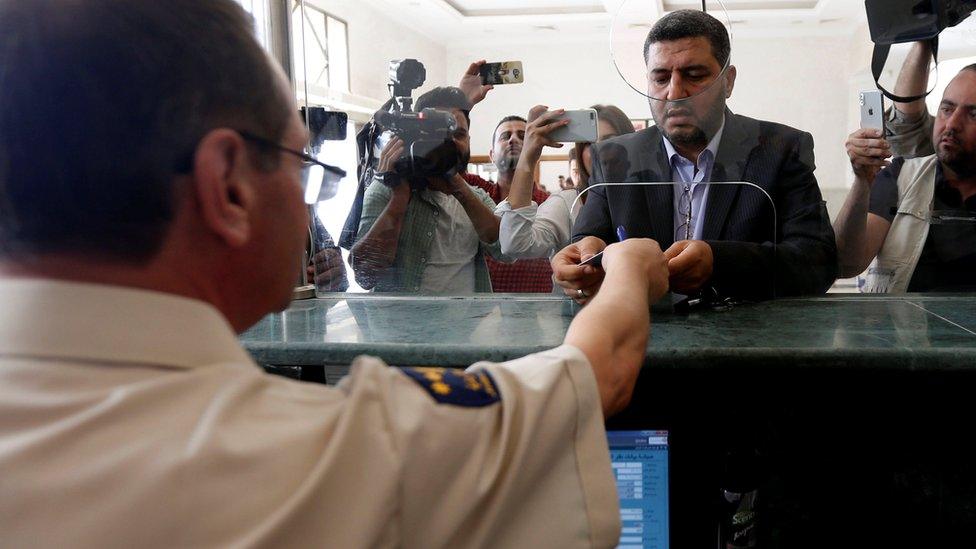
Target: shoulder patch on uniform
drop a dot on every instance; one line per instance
(450, 386)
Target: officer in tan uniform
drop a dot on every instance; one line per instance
(150, 209)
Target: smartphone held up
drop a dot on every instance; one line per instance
(505, 72)
(872, 110)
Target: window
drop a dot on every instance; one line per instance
(321, 56)
(259, 11)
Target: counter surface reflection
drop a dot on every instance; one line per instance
(911, 332)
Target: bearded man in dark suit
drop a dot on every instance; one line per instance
(768, 237)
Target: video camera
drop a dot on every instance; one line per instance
(428, 135)
(899, 21)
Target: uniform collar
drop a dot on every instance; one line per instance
(107, 324)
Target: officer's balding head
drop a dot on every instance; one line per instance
(128, 151)
(102, 104)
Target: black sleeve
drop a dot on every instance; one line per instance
(804, 260)
(884, 191)
(594, 216)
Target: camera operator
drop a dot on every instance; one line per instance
(429, 238)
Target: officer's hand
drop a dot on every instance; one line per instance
(643, 255)
(389, 155)
(578, 282)
(869, 152)
(328, 271)
(690, 264)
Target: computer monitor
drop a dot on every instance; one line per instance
(640, 465)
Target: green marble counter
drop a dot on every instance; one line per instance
(914, 332)
(860, 405)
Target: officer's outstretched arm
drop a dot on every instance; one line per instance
(612, 329)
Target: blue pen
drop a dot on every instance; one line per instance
(621, 233)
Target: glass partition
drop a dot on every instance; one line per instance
(759, 124)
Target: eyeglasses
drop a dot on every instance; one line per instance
(315, 174)
(684, 230)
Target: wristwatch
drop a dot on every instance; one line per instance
(390, 179)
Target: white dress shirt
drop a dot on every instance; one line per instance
(131, 418)
(685, 173)
(536, 230)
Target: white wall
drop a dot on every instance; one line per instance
(375, 39)
(810, 83)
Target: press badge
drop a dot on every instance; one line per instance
(457, 387)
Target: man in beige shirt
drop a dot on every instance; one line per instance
(150, 209)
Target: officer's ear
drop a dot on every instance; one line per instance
(729, 81)
(221, 186)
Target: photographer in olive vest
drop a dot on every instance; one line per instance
(912, 222)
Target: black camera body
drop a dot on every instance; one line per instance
(428, 138)
(428, 135)
(900, 21)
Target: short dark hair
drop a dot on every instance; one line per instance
(691, 24)
(969, 68)
(102, 105)
(509, 118)
(445, 97)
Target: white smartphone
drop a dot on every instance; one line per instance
(872, 110)
(582, 127)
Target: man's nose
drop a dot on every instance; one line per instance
(677, 87)
(956, 120)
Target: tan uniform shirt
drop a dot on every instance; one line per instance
(135, 419)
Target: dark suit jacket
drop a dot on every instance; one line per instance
(739, 220)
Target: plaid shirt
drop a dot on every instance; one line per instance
(525, 275)
(419, 227)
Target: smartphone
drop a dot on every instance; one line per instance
(505, 72)
(582, 127)
(872, 110)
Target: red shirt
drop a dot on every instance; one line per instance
(525, 275)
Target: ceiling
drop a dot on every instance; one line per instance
(541, 20)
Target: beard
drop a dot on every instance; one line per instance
(464, 157)
(686, 136)
(959, 159)
(706, 114)
(506, 163)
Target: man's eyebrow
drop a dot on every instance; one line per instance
(954, 105)
(697, 67)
